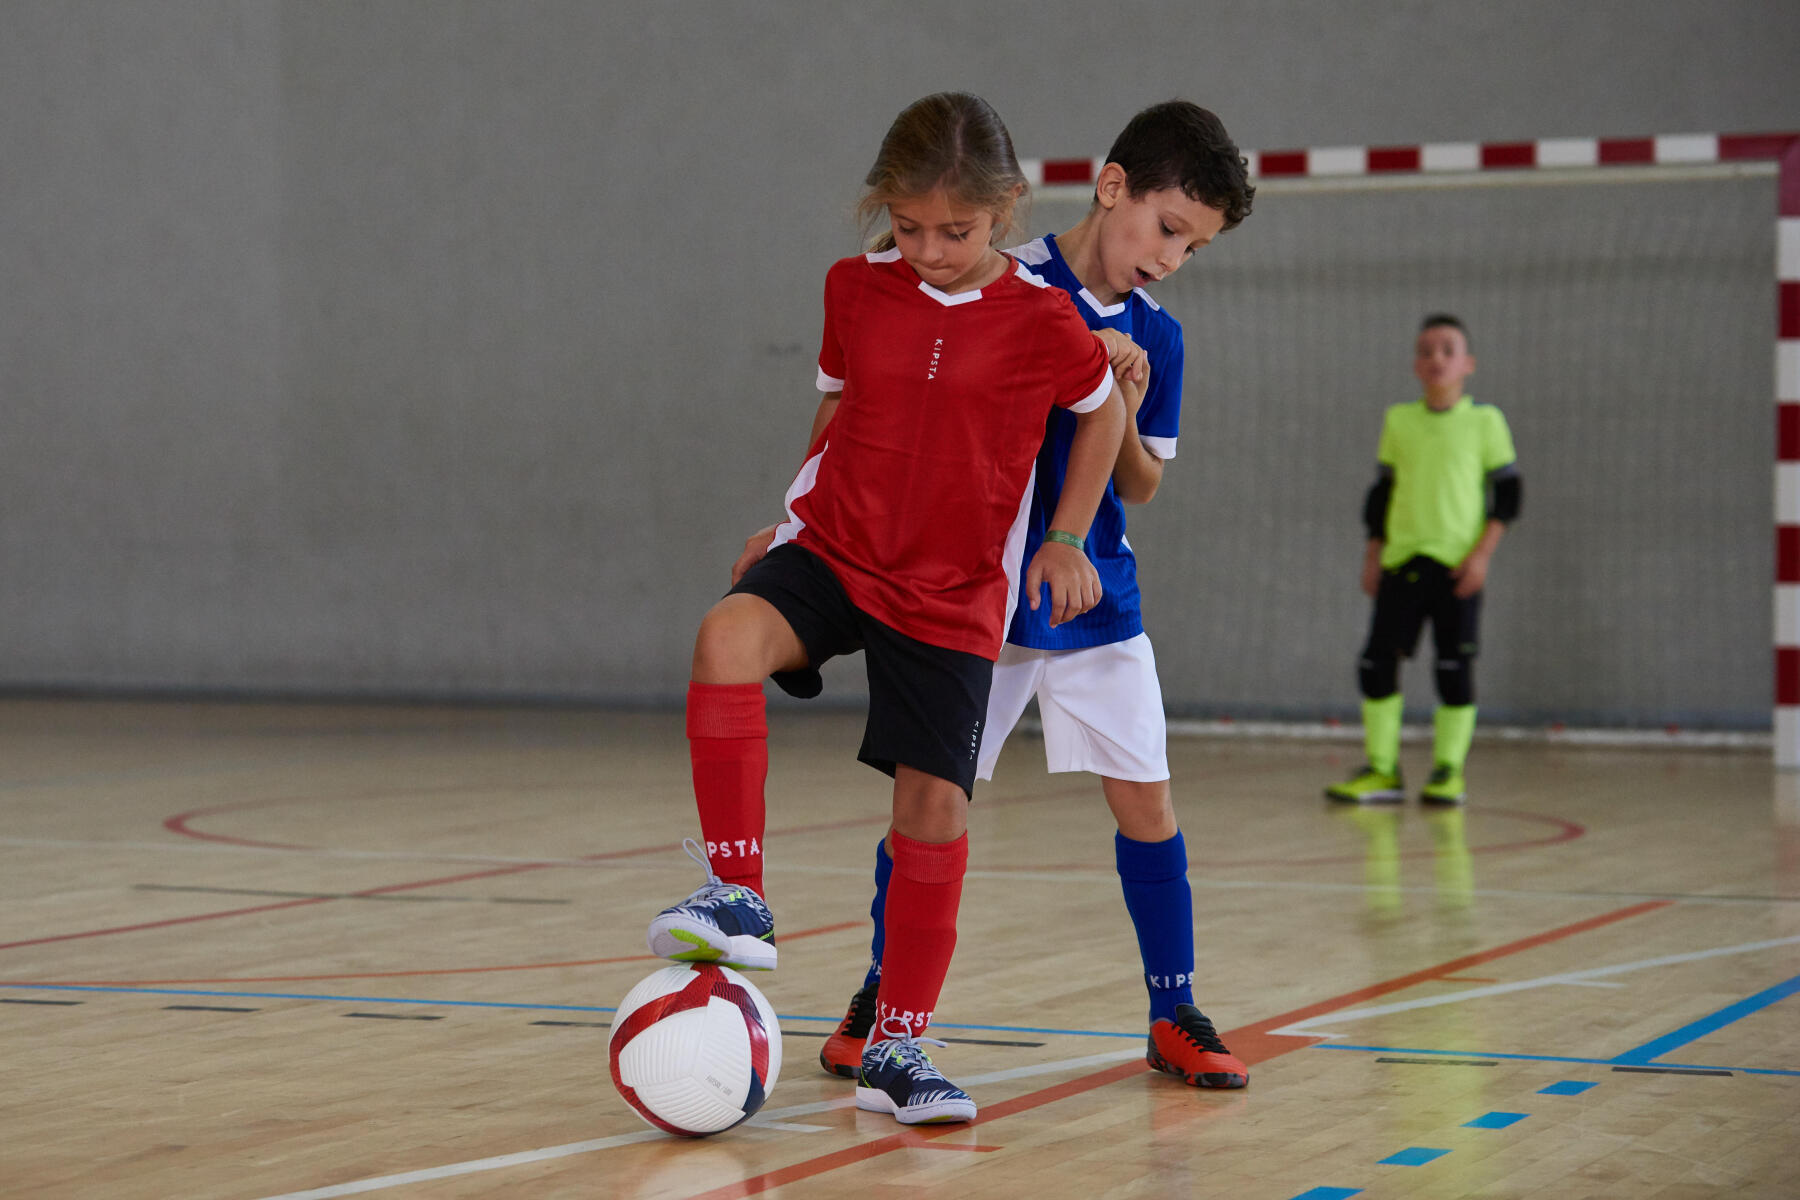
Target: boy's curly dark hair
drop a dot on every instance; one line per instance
(1179, 144)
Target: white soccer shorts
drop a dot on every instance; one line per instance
(1102, 709)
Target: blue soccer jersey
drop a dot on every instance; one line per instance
(1117, 617)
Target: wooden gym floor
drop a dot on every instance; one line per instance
(260, 951)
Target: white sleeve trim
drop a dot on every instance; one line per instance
(828, 383)
(1162, 447)
(1097, 397)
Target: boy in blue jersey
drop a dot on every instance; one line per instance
(1173, 181)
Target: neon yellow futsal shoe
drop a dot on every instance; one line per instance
(1445, 786)
(1368, 786)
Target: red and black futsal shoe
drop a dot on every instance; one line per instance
(1189, 1047)
(843, 1050)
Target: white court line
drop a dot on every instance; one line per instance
(1305, 1028)
(768, 1119)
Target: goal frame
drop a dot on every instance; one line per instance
(1549, 160)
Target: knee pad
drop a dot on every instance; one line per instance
(1378, 677)
(1455, 680)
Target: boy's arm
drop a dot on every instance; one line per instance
(1471, 573)
(1505, 492)
(1375, 506)
(1137, 473)
(1074, 584)
(757, 544)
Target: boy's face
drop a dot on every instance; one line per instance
(1147, 238)
(1441, 359)
(945, 241)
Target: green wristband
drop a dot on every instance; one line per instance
(1067, 539)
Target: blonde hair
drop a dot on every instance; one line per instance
(951, 140)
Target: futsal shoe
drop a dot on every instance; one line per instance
(897, 1078)
(1188, 1047)
(724, 923)
(843, 1050)
(1444, 788)
(1368, 786)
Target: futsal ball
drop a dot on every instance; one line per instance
(695, 1049)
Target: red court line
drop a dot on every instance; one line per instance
(178, 824)
(1567, 831)
(1252, 1043)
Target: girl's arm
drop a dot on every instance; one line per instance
(1074, 584)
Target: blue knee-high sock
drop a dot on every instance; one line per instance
(1154, 876)
(884, 868)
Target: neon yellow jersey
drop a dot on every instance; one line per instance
(1440, 462)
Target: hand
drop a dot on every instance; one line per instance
(755, 546)
(1371, 570)
(1471, 575)
(1074, 584)
(1132, 391)
(1129, 362)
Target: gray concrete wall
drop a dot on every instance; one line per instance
(433, 348)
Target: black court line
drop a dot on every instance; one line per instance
(1442, 1062)
(1669, 1071)
(405, 896)
(51, 1003)
(205, 1008)
(396, 1016)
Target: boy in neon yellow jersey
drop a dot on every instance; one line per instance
(1447, 485)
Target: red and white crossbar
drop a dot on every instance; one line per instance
(1549, 154)
(1687, 149)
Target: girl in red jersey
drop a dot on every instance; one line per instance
(940, 361)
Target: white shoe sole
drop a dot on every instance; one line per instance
(876, 1100)
(684, 939)
(1392, 797)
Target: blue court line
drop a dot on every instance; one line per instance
(1327, 1193)
(1554, 1058)
(1567, 1087)
(581, 1008)
(1652, 1050)
(1495, 1120)
(1413, 1156)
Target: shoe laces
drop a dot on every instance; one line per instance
(1197, 1027)
(1443, 773)
(904, 1047)
(714, 888)
(861, 1016)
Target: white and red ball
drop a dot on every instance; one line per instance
(695, 1049)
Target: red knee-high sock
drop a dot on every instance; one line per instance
(923, 895)
(728, 742)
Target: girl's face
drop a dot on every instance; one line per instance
(946, 242)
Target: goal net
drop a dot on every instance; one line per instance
(1621, 318)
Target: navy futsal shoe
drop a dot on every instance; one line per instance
(899, 1080)
(724, 923)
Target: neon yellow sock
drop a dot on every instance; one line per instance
(1453, 728)
(1381, 733)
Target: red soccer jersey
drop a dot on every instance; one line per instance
(919, 485)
